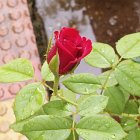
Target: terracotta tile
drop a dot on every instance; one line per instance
(6, 118)
(17, 40)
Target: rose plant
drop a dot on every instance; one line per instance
(108, 105)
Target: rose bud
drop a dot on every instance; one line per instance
(70, 47)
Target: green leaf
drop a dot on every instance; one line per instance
(116, 102)
(125, 93)
(133, 135)
(102, 56)
(131, 107)
(83, 96)
(129, 124)
(46, 73)
(29, 100)
(71, 136)
(69, 95)
(40, 112)
(111, 80)
(16, 70)
(99, 128)
(54, 64)
(92, 105)
(82, 83)
(129, 46)
(57, 108)
(65, 93)
(44, 127)
(128, 76)
(54, 98)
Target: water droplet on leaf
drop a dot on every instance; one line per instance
(113, 136)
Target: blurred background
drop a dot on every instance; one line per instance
(99, 20)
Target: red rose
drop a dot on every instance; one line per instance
(71, 49)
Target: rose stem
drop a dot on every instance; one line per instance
(56, 84)
(55, 89)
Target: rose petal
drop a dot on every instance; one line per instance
(71, 47)
(87, 47)
(70, 34)
(64, 55)
(69, 67)
(56, 35)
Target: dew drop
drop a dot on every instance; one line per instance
(113, 136)
(131, 72)
(32, 112)
(95, 109)
(80, 132)
(102, 100)
(129, 86)
(52, 117)
(123, 79)
(102, 50)
(39, 90)
(125, 124)
(112, 60)
(23, 95)
(110, 77)
(107, 125)
(126, 78)
(86, 90)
